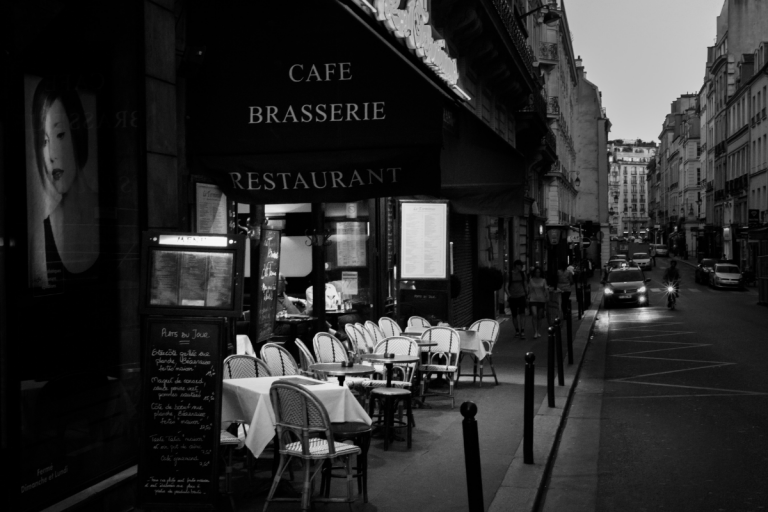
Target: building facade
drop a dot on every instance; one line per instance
(629, 199)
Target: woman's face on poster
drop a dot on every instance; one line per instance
(58, 149)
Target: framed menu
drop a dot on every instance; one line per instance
(192, 274)
(180, 414)
(423, 240)
(210, 209)
(266, 298)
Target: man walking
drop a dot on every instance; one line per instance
(517, 291)
(653, 255)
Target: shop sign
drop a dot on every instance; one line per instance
(554, 236)
(411, 25)
(754, 217)
(294, 112)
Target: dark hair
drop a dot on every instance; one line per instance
(46, 94)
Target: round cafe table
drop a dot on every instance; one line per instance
(341, 372)
(389, 362)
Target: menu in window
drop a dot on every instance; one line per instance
(423, 240)
(211, 209)
(180, 414)
(350, 244)
(191, 278)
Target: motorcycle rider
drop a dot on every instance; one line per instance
(672, 278)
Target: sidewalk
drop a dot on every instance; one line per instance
(431, 476)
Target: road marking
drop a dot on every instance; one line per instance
(725, 392)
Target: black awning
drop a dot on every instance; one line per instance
(302, 102)
(481, 173)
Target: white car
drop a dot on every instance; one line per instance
(725, 275)
(661, 250)
(642, 259)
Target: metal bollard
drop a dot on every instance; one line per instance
(528, 409)
(559, 353)
(569, 333)
(472, 457)
(551, 366)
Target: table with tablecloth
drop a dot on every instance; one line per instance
(247, 401)
(470, 341)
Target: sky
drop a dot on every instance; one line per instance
(642, 55)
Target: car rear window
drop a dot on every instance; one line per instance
(625, 277)
(640, 256)
(727, 269)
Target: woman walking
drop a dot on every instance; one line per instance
(538, 296)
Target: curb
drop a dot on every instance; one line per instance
(523, 483)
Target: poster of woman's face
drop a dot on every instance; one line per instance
(62, 182)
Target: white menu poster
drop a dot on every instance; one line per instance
(424, 241)
(211, 209)
(350, 244)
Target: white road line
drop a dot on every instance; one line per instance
(733, 392)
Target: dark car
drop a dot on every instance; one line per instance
(701, 275)
(625, 286)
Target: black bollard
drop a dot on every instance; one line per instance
(569, 333)
(559, 353)
(472, 457)
(528, 409)
(551, 366)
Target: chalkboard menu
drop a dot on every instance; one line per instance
(181, 409)
(266, 298)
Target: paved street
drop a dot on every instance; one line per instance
(671, 408)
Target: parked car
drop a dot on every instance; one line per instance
(703, 269)
(726, 275)
(616, 263)
(625, 286)
(643, 260)
(661, 249)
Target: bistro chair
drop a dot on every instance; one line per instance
(442, 358)
(279, 360)
(389, 327)
(242, 366)
(306, 359)
(370, 340)
(375, 331)
(304, 432)
(228, 443)
(356, 338)
(488, 330)
(329, 349)
(417, 321)
(399, 345)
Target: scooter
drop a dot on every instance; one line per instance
(671, 296)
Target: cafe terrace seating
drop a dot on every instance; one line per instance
(375, 331)
(417, 321)
(389, 327)
(304, 432)
(307, 359)
(357, 338)
(488, 330)
(399, 345)
(242, 366)
(279, 360)
(442, 358)
(329, 349)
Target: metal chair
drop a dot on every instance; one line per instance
(329, 349)
(242, 366)
(375, 331)
(400, 345)
(447, 349)
(307, 359)
(279, 360)
(417, 321)
(389, 327)
(304, 432)
(488, 330)
(356, 338)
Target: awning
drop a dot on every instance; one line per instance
(303, 102)
(481, 173)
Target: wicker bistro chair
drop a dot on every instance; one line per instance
(356, 335)
(329, 349)
(375, 331)
(300, 418)
(442, 358)
(389, 327)
(489, 332)
(306, 359)
(417, 321)
(279, 360)
(229, 442)
(242, 366)
(400, 345)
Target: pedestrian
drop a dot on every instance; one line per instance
(653, 255)
(538, 297)
(565, 284)
(517, 294)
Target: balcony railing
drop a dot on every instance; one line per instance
(507, 15)
(548, 51)
(536, 104)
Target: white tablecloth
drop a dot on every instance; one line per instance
(247, 401)
(470, 340)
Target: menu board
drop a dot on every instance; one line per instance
(350, 241)
(423, 240)
(191, 278)
(211, 209)
(266, 298)
(180, 415)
